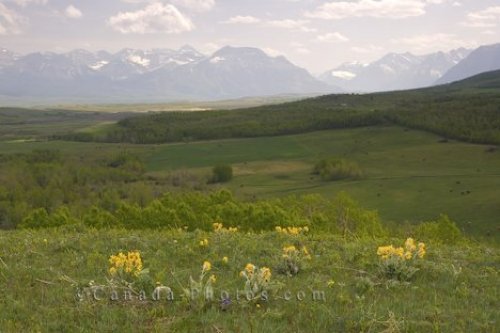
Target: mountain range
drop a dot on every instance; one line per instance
(394, 71)
(153, 75)
(132, 75)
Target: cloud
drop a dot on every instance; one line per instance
(300, 25)
(24, 3)
(332, 37)
(302, 50)
(154, 18)
(242, 20)
(367, 49)
(486, 18)
(393, 9)
(73, 12)
(433, 42)
(10, 21)
(196, 5)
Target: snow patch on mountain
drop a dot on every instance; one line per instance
(343, 75)
(215, 60)
(138, 60)
(98, 65)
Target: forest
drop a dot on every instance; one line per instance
(467, 111)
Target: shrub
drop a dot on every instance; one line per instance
(222, 173)
(337, 169)
(443, 230)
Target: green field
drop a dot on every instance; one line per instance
(410, 175)
(43, 272)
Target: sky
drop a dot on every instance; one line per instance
(315, 34)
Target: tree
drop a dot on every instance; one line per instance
(222, 173)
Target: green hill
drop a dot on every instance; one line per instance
(467, 110)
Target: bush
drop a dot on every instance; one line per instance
(222, 173)
(443, 230)
(337, 169)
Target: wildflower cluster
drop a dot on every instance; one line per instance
(410, 251)
(293, 259)
(130, 263)
(201, 291)
(399, 262)
(204, 242)
(257, 281)
(294, 231)
(219, 227)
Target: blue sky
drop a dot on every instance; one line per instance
(315, 34)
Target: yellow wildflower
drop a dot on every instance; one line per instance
(225, 260)
(421, 250)
(307, 255)
(265, 274)
(410, 245)
(289, 249)
(250, 268)
(207, 266)
(213, 278)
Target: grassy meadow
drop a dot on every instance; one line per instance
(406, 239)
(47, 276)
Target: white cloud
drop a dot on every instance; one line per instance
(24, 3)
(154, 18)
(393, 9)
(302, 50)
(73, 12)
(432, 43)
(332, 37)
(10, 21)
(300, 25)
(367, 49)
(239, 19)
(486, 18)
(196, 5)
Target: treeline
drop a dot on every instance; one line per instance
(48, 180)
(197, 210)
(466, 117)
(191, 211)
(468, 110)
(290, 118)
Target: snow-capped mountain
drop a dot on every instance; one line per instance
(394, 71)
(483, 59)
(158, 74)
(242, 71)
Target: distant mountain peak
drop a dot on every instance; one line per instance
(394, 71)
(155, 74)
(483, 59)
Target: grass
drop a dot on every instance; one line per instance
(409, 175)
(455, 289)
